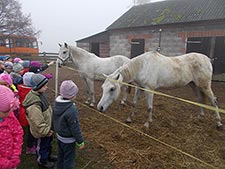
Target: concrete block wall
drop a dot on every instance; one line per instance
(104, 49)
(173, 39)
(85, 46)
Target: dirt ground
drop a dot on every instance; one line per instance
(176, 139)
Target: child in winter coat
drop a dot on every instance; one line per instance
(11, 133)
(39, 116)
(7, 78)
(17, 74)
(23, 90)
(38, 67)
(67, 126)
(8, 67)
(2, 67)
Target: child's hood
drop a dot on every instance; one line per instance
(61, 105)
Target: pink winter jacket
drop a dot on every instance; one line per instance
(11, 140)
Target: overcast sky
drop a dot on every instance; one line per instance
(70, 20)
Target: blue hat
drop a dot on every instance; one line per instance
(26, 63)
(5, 57)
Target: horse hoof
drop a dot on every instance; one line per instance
(128, 120)
(146, 124)
(122, 102)
(220, 127)
(86, 102)
(92, 105)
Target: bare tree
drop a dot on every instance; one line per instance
(13, 21)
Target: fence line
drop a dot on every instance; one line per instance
(162, 94)
(146, 135)
(44, 56)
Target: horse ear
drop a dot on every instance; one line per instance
(66, 45)
(60, 45)
(104, 75)
(118, 76)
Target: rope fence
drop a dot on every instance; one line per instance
(139, 131)
(161, 94)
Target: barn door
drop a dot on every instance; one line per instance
(213, 47)
(137, 47)
(219, 55)
(198, 44)
(94, 48)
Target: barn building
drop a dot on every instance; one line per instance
(173, 27)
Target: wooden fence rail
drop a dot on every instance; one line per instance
(44, 56)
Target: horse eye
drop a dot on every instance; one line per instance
(64, 52)
(112, 89)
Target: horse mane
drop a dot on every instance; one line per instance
(80, 52)
(130, 69)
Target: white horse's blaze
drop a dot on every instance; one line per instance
(90, 66)
(152, 70)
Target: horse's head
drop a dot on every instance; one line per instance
(64, 53)
(111, 90)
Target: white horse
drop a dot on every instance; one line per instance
(152, 71)
(90, 66)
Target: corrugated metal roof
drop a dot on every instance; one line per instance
(169, 12)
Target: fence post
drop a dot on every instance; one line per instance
(44, 55)
(56, 77)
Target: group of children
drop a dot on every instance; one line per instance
(24, 103)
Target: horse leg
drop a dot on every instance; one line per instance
(208, 92)
(135, 100)
(88, 91)
(201, 98)
(90, 84)
(149, 99)
(124, 91)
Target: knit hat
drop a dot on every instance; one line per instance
(35, 64)
(7, 99)
(16, 60)
(8, 65)
(68, 89)
(6, 78)
(48, 75)
(27, 79)
(26, 63)
(35, 69)
(38, 81)
(17, 67)
(6, 57)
